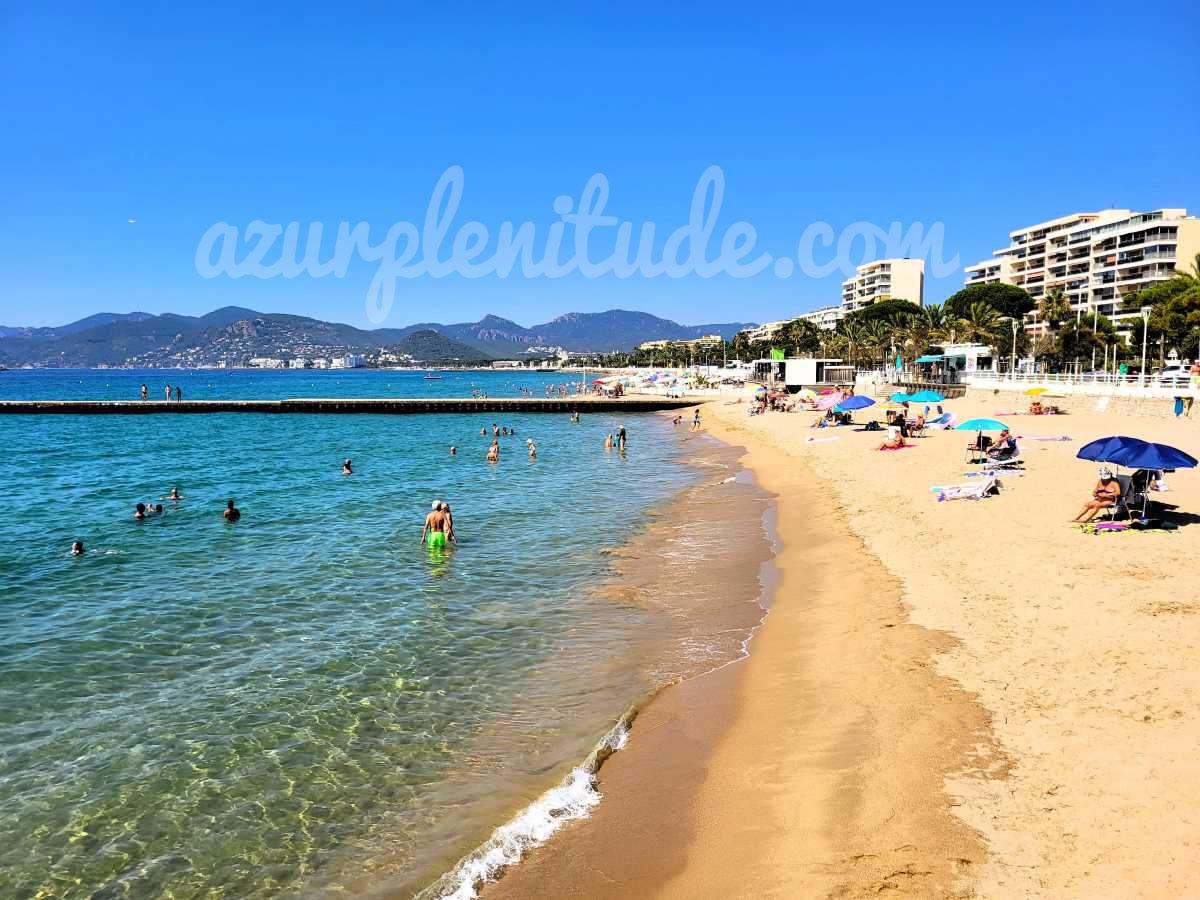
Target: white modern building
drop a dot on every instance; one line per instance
(349, 361)
(1096, 258)
(885, 279)
(826, 317)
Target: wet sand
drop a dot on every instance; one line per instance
(816, 767)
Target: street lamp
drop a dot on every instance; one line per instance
(1145, 330)
(1013, 359)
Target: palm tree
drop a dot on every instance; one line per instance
(982, 324)
(1053, 309)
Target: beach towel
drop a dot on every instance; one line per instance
(905, 447)
(975, 491)
(1061, 437)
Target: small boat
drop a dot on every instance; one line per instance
(429, 376)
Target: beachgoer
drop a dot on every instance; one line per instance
(696, 420)
(453, 450)
(1004, 446)
(232, 513)
(433, 532)
(1036, 408)
(621, 437)
(174, 495)
(1104, 494)
(158, 509)
(575, 416)
(493, 454)
(532, 450)
(346, 469)
(483, 430)
(450, 535)
(895, 439)
(608, 442)
(495, 429)
(679, 419)
(139, 512)
(168, 392)
(77, 549)
(178, 393)
(145, 392)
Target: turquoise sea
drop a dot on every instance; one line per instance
(306, 699)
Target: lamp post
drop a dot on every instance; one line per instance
(1145, 330)
(1013, 359)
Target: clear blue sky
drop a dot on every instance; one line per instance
(982, 120)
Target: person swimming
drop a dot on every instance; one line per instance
(608, 442)
(232, 513)
(139, 512)
(453, 450)
(493, 454)
(174, 495)
(346, 469)
(77, 549)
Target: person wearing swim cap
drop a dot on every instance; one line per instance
(433, 534)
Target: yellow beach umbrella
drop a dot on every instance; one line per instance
(1033, 392)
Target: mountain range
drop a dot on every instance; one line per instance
(233, 335)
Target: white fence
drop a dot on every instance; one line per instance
(1086, 383)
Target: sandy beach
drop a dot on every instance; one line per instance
(969, 698)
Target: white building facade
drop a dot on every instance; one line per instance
(1096, 258)
(885, 279)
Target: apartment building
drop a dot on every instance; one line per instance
(884, 279)
(1096, 258)
(826, 317)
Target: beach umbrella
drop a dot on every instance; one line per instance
(926, 397)
(829, 401)
(979, 426)
(1157, 457)
(806, 393)
(1102, 449)
(858, 401)
(1033, 392)
(899, 397)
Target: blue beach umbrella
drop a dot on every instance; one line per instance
(926, 397)
(899, 397)
(1102, 449)
(858, 401)
(1158, 457)
(982, 425)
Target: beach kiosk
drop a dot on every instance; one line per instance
(795, 374)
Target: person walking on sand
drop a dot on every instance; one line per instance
(696, 420)
(232, 513)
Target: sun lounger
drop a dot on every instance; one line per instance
(973, 491)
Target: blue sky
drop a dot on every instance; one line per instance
(983, 120)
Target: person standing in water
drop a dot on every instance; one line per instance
(621, 438)
(346, 470)
(450, 535)
(232, 513)
(608, 442)
(433, 532)
(493, 454)
(696, 420)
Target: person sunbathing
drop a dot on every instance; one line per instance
(1036, 408)
(1104, 495)
(1004, 447)
(895, 440)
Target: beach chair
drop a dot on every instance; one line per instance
(940, 420)
(1123, 503)
(975, 491)
(1009, 460)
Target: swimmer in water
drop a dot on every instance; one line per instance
(493, 454)
(621, 437)
(608, 442)
(532, 450)
(453, 450)
(77, 549)
(346, 470)
(232, 513)
(174, 495)
(433, 532)
(139, 512)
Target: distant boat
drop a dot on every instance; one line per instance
(429, 376)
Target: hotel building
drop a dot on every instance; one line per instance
(885, 279)
(1096, 258)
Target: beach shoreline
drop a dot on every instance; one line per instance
(772, 776)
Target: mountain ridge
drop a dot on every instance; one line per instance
(233, 335)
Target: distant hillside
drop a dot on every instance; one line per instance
(233, 335)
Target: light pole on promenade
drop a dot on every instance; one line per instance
(1145, 330)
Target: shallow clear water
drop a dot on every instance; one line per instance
(200, 709)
